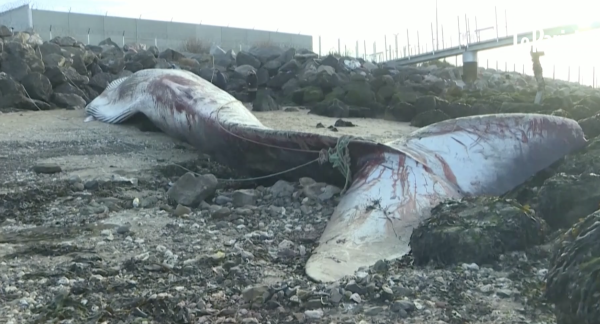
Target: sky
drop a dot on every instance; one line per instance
(373, 22)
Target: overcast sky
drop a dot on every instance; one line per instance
(351, 21)
(331, 18)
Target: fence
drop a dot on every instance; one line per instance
(411, 43)
(466, 33)
(583, 76)
(92, 29)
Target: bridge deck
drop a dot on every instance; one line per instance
(489, 44)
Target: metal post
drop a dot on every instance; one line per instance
(437, 30)
(487, 63)
(356, 54)
(319, 46)
(365, 48)
(432, 39)
(468, 31)
(385, 47)
(88, 36)
(514, 67)
(396, 45)
(375, 51)
(418, 43)
(50, 31)
(408, 43)
(443, 43)
(476, 30)
(123, 42)
(523, 69)
(505, 23)
(458, 19)
(137, 23)
(496, 14)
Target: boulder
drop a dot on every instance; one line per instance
(63, 71)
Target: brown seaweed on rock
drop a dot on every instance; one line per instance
(475, 230)
(573, 281)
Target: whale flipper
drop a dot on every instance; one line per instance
(390, 196)
(115, 83)
(106, 109)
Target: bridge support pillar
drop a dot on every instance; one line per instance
(469, 66)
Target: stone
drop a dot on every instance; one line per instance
(191, 189)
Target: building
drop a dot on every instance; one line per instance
(91, 29)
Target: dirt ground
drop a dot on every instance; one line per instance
(93, 149)
(98, 242)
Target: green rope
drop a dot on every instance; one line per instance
(339, 157)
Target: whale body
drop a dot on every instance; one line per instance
(394, 185)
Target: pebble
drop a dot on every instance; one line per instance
(314, 314)
(47, 168)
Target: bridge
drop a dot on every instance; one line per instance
(469, 49)
(498, 42)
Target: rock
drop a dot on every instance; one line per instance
(282, 189)
(267, 53)
(244, 197)
(564, 199)
(571, 283)
(14, 96)
(245, 58)
(190, 190)
(591, 126)
(47, 168)
(38, 86)
(311, 95)
(15, 67)
(333, 108)
(264, 101)
(429, 117)
(68, 101)
(475, 230)
(101, 80)
(333, 86)
(320, 191)
(256, 294)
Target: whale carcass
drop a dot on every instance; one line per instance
(393, 185)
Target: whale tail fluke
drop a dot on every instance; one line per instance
(492, 154)
(393, 193)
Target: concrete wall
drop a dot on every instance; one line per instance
(18, 18)
(94, 28)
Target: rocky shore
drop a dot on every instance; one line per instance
(105, 224)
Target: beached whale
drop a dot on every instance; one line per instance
(393, 185)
